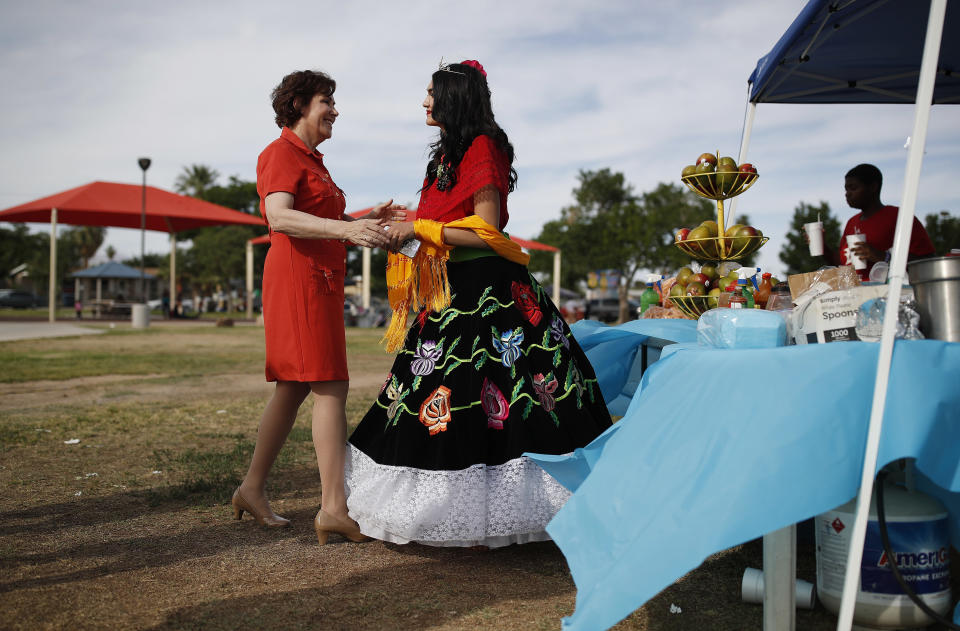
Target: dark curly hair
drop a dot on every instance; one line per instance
(461, 103)
(295, 91)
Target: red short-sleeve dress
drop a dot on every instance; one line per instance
(302, 278)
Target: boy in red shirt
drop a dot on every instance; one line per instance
(876, 221)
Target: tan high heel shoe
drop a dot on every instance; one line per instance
(271, 520)
(324, 524)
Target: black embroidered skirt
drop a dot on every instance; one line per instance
(438, 458)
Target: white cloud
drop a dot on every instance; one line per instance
(638, 87)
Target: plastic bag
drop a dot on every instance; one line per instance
(869, 324)
(741, 328)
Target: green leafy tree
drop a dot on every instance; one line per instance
(111, 252)
(18, 246)
(609, 227)
(944, 231)
(89, 239)
(795, 253)
(218, 255)
(195, 180)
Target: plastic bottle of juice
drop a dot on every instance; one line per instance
(649, 297)
(763, 291)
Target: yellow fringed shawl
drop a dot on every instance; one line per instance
(421, 282)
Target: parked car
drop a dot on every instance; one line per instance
(18, 299)
(608, 309)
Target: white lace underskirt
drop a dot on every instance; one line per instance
(491, 506)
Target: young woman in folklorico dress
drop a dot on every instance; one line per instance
(303, 297)
(488, 370)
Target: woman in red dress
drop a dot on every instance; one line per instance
(303, 297)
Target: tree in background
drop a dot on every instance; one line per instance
(609, 227)
(18, 246)
(89, 239)
(944, 231)
(218, 255)
(795, 253)
(111, 252)
(195, 180)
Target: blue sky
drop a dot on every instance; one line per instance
(636, 86)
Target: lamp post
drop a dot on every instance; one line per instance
(144, 165)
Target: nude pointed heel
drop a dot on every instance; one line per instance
(270, 520)
(324, 524)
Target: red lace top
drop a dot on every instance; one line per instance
(483, 165)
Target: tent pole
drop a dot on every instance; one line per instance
(173, 272)
(556, 277)
(744, 145)
(52, 293)
(249, 280)
(365, 280)
(898, 265)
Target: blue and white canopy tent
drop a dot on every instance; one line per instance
(868, 51)
(669, 490)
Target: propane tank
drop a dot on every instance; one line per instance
(919, 536)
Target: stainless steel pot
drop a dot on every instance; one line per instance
(936, 284)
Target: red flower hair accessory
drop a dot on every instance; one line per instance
(473, 63)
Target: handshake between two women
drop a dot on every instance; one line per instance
(385, 226)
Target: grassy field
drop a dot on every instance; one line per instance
(119, 455)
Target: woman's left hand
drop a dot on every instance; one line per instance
(386, 212)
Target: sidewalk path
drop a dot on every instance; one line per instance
(29, 330)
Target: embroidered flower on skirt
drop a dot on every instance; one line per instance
(427, 355)
(435, 411)
(508, 345)
(394, 390)
(545, 387)
(495, 405)
(526, 302)
(557, 333)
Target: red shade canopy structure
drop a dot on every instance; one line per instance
(110, 204)
(411, 215)
(118, 206)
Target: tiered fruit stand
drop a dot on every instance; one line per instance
(718, 187)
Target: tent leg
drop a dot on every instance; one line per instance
(744, 145)
(173, 272)
(249, 281)
(779, 578)
(898, 265)
(52, 290)
(556, 277)
(365, 280)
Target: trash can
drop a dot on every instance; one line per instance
(140, 316)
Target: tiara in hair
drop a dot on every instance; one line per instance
(446, 68)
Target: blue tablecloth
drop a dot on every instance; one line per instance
(719, 447)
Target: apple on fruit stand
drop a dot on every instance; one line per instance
(695, 288)
(683, 276)
(701, 278)
(742, 238)
(690, 169)
(707, 157)
(682, 234)
(747, 173)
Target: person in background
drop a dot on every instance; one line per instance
(877, 221)
(303, 298)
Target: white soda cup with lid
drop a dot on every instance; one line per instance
(853, 259)
(815, 237)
